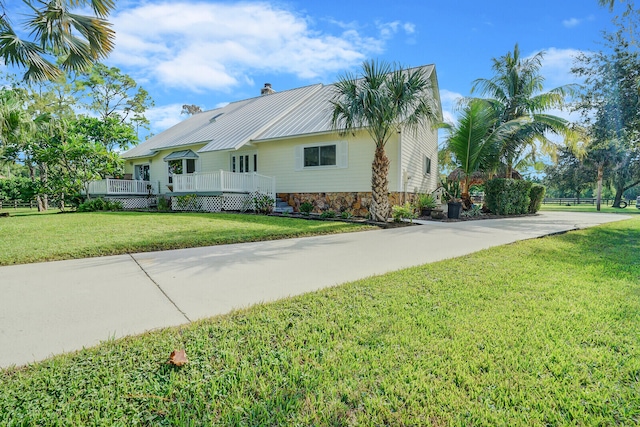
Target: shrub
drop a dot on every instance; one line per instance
(188, 202)
(263, 203)
(306, 208)
(402, 212)
(18, 188)
(536, 195)
(425, 201)
(164, 204)
(328, 214)
(100, 205)
(346, 215)
(505, 196)
(476, 210)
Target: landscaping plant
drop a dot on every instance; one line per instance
(400, 213)
(306, 208)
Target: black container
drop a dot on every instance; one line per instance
(454, 210)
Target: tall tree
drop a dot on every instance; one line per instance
(383, 100)
(56, 30)
(570, 174)
(476, 140)
(516, 91)
(112, 94)
(190, 109)
(74, 160)
(610, 108)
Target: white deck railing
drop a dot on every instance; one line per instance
(113, 186)
(224, 181)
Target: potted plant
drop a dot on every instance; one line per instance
(454, 202)
(425, 203)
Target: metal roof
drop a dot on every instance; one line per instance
(178, 155)
(294, 112)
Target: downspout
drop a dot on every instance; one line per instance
(400, 164)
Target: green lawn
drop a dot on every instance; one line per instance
(629, 210)
(30, 237)
(541, 332)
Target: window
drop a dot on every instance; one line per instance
(180, 166)
(242, 163)
(175, 167)
(191, 165)
(427, 165)
(142, 172)
(324, 155)
(329, 155)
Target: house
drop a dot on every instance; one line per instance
(279, 144)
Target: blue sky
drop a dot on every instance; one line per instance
(212, 52)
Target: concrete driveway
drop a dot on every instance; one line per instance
(55, 307)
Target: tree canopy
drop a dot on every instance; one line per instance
(57, 31)
(516, 91)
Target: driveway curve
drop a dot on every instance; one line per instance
(55, 307)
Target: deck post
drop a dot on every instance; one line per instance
(221, 181)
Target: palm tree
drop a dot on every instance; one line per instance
(383, 100)
(77, 40)
(607, 3)
(515, 91)
(475, 141)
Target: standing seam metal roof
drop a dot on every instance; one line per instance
(299, 111)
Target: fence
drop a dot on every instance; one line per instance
(15, 204)
(582, 201)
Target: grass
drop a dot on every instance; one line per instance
(541, 332)
(31, 237)
(629, 210)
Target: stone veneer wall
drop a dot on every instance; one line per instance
(355, 202)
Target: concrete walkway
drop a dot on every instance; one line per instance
(54, 307)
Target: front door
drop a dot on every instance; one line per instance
(142, 172)
(243, 163)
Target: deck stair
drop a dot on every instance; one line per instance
(282, 206)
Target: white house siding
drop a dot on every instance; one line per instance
(213, 161)
(278, 158)
(414, 147)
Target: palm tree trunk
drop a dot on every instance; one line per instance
(380, 186)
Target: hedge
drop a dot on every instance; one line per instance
(536, 195)
(508, 196)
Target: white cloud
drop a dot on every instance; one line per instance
(556, 67)
(574, 22)
(165, 116)
(449, 101)
(389, 29)
(216, 46)
(571, 23)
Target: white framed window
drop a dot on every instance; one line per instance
(427, 165)
(243, 163)
(328, 155)
(141, 172)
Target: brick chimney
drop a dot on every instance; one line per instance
(267, 89)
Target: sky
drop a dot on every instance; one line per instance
(209, 53)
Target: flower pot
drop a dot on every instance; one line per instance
(425, 212)
(454, 210)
